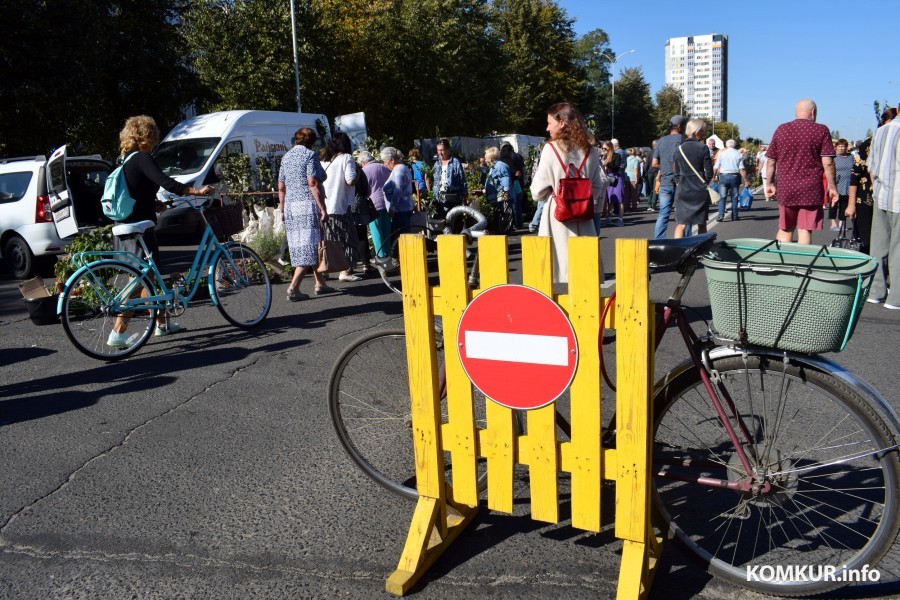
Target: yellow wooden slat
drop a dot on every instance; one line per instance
(634, 368)
(499, 448)
(540, 445)
(462, 441)
(584, 313)
(422, 360)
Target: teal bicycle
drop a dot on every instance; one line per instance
(112, 291)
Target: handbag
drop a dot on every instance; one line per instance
(714, 195)
(363, 210)
(844, 238)
(574, 195)
(331, 257)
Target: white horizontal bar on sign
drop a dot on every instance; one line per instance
(517, 347)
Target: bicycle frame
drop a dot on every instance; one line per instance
(702, 352)
(208, 251)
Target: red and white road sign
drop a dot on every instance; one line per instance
(517, 346)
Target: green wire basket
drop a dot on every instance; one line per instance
(793, 297)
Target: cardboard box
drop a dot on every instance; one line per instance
(34, 288)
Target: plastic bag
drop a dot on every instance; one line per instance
(746, 199)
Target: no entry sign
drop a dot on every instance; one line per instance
(517, 346)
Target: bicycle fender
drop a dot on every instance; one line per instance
(820, 363)
(78, 272)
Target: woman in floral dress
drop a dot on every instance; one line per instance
(302, 208)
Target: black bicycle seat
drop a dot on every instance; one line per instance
(668, 254)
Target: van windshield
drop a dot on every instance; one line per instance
(183, 157)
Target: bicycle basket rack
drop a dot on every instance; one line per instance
(792, 297)
(225, 220)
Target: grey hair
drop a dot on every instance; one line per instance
(693, 126)
(729, 144)
(391, 153)
(365, 156)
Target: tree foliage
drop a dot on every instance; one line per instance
(634, 109)
(668, 104)
(101, 62)
(417, 68)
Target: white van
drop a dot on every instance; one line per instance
(189, 152)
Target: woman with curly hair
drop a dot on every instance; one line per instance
(144, 178)
(569, 143)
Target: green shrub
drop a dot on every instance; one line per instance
(267, 245)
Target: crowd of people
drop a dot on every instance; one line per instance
(348, 197)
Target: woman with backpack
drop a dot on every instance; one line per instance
(570, 146)
(144, 178)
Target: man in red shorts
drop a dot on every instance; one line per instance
(801, 150)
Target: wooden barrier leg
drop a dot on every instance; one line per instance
(425, 543)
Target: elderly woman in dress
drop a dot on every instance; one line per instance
(693, 172)
(569, 137)
(302, 207)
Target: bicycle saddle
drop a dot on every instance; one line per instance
(126, 230)
(667, 254)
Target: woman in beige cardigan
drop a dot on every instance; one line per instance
(570, 136)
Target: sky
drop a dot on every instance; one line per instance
(841, 54)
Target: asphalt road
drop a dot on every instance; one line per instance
(206, 467)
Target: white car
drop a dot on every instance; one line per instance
(38, 202)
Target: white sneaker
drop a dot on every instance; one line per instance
(121, 340)
(162, 330)
(874, 301)
(891, 306)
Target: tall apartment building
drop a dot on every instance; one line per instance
(698, 66)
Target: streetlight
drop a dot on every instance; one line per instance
(296, 60)
(614, 60)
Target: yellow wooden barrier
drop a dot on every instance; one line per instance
(445, 508)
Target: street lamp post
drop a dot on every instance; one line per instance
(614, 60)
(296, 60)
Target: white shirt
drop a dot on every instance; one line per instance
(340, 192)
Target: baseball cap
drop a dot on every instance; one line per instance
(677, 120)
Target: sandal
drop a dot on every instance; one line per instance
(295, 295)
(323, 289)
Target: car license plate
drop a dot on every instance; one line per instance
(63, 213)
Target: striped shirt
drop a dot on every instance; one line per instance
(884, 167)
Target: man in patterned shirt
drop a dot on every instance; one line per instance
(799, 152)
(884, 167)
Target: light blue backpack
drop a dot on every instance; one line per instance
(116, 200)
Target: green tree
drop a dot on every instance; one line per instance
(100, 63)
(668, 103)
(537, 63)
(595, 100)
(634, 109)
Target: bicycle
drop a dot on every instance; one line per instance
(747, 472)
(110, 286)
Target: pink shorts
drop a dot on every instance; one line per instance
(800, 217)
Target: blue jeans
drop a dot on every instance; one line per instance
(400, 223)
(517, 201)
(536, 220)
(666, 199)
(730, 188)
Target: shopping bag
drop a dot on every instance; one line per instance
(714, 195)
(331, 257)
(746, 199)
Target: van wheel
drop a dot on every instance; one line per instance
(18, 257)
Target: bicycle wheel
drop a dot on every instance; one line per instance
(368, 396)
(833, 500)
(243, 292)
(93, 304)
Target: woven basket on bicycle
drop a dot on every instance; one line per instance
(793, 297)
(225, 220)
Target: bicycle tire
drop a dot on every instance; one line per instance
(90, 309)
(819, 512)
(243, 296)
(369, 403)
